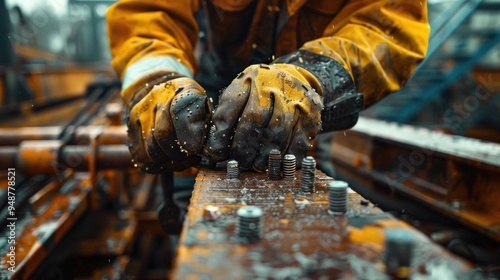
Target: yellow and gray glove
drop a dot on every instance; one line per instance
(167, 123)
(282, 106)
(266, 107)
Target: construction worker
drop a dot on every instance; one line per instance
(288, 69)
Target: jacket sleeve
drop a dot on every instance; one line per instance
(149, 38)
(379, 43)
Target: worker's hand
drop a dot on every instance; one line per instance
(167, 124)
(266, 107)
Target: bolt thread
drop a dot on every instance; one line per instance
(274, 165)
(249, 227)
(308, 175)
(338, 196)
(233, 171)
(211, 131)
(289, 167)
(399, 244)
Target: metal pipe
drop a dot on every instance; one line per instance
(14, 136)
(46, 157)
(8, 156)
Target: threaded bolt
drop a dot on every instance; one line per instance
(274, 165)
(249, 227)
(289, 167)
(233, 171)
(399, 245)
(338, 197)
(308, 175)
(212, 131)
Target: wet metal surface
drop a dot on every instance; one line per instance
(300, 239)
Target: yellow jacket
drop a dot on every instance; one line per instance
(379, 42)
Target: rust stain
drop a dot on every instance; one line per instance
(298, 240)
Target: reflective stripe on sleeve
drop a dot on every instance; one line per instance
(150, 65)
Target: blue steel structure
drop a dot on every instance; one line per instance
(431, 79)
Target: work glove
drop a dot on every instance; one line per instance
(282, 106)
(167, 123)
(266, 107)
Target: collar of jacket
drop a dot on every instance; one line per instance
(294, 5)
(237, 5)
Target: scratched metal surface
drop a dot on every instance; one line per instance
(299, 240)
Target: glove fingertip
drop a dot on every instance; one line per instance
(215, 150)
(260, 163)
(191, 119)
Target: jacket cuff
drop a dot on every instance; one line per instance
(341, 99)
(149, 66)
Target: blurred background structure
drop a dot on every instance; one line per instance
(429, 154)
(455, 88)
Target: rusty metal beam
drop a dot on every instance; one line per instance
(300, 238)
(38, 233)
(457, 176)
